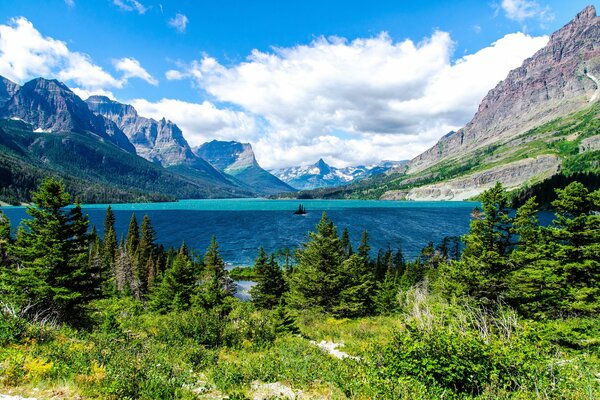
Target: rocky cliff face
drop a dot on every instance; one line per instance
(161, 142)
(7, 89)
(238, 160)
(50, 106)
(559, 79)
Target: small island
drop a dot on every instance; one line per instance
(300, 211)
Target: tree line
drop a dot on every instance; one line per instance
(55, 264)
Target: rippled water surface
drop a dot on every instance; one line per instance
(242, 225)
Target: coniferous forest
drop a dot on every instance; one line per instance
(510, 310)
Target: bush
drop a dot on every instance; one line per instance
(12, 328)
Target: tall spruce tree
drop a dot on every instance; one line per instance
(270, 284)
(175, 290)
(133, 235)
(216, 284)
(314, 283)
(346, 244)
(52, 272)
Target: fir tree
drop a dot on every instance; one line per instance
(357, 283)
(270, 285)
(175, 290)
(133, 235)
(52, 271)
(314, 281)
(346, 244)
(216, 284)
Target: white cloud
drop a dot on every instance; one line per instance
(84, 94)
(130, 5)
(131, 68)
(358, 101)
(179, 22)
(520, 10)
(201, 122)
(25, 54)
(70, 3)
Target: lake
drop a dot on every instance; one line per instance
(243, 225)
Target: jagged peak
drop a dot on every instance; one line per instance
(586, 18)
(96, 98)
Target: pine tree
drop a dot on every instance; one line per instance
(313, 284)
(484, 265)
(5, 239)
(364, 249)
(270, 285)
(357, 283)
(109, 220)
(216, 284)
(346, 244)
(52, 271)
(144, 252)
(175, 290)
(133, 235)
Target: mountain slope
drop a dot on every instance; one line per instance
(161, 142)
(50, 106)
(238, 160)
(321, 175)
(95, 171)
(540, 122)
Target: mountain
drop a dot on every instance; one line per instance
(161, 142)
(541, 122)
(47, 130)
(50, 106)
(238, 160)
(321, 174)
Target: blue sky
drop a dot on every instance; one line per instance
(206, 47)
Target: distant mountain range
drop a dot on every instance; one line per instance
(541, 124)
(321, 174)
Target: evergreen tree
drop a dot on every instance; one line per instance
(52, 273)
(346, 244)
(175, 290)
(357, 283)
(270, 285)
(144, 252)
(314, 281)
(133, 235)
(109, 220)
(484, 265)
(216, 284)
(5, 239)
(364, 249)
(385, 299)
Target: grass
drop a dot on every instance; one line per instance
(429, 350)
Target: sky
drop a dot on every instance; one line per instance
(352, 82)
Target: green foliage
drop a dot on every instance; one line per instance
(270, 287)
(50, 275)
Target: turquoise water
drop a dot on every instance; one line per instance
(242, 225)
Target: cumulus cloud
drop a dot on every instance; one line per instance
(179, 22)
(520, 10)
(131, 68)
(130, 5)
(358, 101)
(201, 122)
(25, 53)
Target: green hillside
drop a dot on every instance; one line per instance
(93, 170)
(563, 137)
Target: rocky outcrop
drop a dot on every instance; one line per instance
(50, 106)
(554, 82)
(511, 175)
(7, 89)
(590, 143)
(238, 160)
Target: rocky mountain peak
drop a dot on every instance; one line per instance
(7, 89)
(227, 156)
(324, 168)
(557, 80)
(49, 105)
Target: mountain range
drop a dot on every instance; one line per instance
(321, 174)
(538, 124)
(105, 151)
